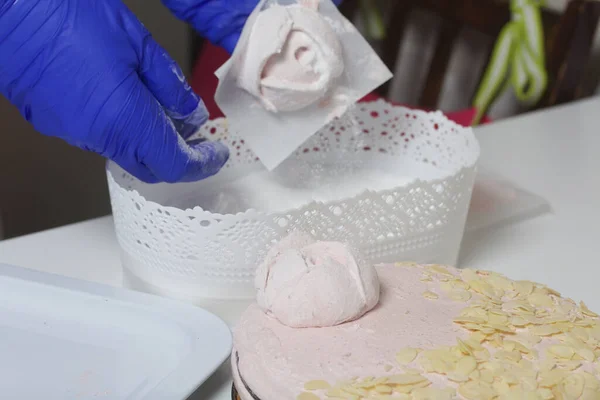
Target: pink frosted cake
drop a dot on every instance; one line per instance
(433, 332)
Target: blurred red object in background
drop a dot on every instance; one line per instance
(204, 82)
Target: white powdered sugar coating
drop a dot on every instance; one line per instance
(288, 189)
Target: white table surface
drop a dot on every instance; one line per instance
(553, 153)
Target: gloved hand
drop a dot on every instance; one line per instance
(220, 21)
(88, 72)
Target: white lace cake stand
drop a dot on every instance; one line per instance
(398, 190)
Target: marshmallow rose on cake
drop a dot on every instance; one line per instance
(327, 325)
(304, 283)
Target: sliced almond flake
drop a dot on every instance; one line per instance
(540, 300)
(494, 366)
(511, 379)
(513, 356)
(590, 394)
(545, 330)
(594, 332)
(476, 391)
(530, 396)
(464, 348)
(545, 394)
(360, 392)
(446, 286)
(519, 321)
(460, 295)
(475, 337)
(552, 292)
(469, 274)
(407, 264)
(588, 322)
(406, 379)
(552, 378)
(498, 311)
(501, 282)
(497, 319)
(586, 354)
(379, 381)
(388, 368)
(307, 396)
(501, 387)
(562, 351)
(407, 355)
(580, 333)
(378, 396)
(412, 371)
(474, 312)
(529, 384)
(527, 338)
(509, 345)
(482, 355)
(460, 284)
(430, 295)
(475, 375)
(410, 388)
(523, 349)
(573, 385)
(457, 378)
(334, 392)
(440, 270)
(555, 317)
(586, 311)
(465, 366)
(525, 287)
(440, 366)
(431, 393)
(564, 327)
(496, 340)
(591, 381)
(518, 306)
(350, 396)
(483, 288)
(469, 320)
(385, 389)
(501, 328)
(317, 385)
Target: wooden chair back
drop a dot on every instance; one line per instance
(569, 39)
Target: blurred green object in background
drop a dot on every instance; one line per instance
(372, 17)
(518, 60)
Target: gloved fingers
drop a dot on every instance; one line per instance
(146, 143)
(164, 78)
(140, 171)
(171, 159)
(213, 152)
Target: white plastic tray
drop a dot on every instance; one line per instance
(63, 339)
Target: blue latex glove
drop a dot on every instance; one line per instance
(88, 72)
(220, 21)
